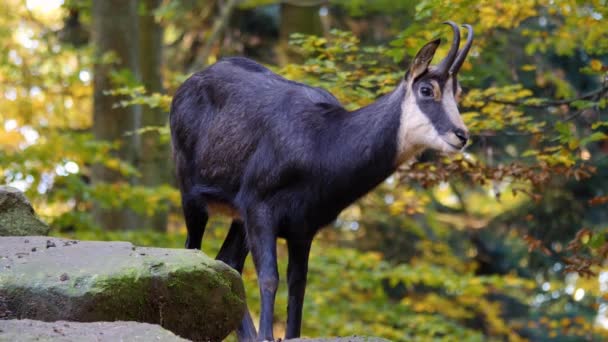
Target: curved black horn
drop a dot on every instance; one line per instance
(442, 68)
(464, 51)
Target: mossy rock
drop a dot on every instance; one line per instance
(61, 331)
(17, 217)
(184, 291)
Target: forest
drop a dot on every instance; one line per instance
(505, 241)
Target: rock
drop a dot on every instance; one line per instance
(17, 217)
(340, 339)
(62, 331)
(182, 290)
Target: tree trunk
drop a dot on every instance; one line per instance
(297, 17)
(154, 156)
(115, 32)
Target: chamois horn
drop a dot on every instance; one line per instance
(462, 54)
(447, 62)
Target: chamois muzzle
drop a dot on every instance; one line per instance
(462, 135)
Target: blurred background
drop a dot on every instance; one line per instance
(503, 242)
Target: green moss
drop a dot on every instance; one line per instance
(21, 223)
(124, 297)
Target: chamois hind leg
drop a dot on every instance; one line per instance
(297, 269)
(196, 216)
(234, 249)
(234, 252)
(262, 239)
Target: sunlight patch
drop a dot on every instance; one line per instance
(71, 167)
(84, 76)
(43, 5)
(579, 295)
(10, 125)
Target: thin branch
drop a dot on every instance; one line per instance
(594, 94)
(574, 116)
(218, 27)
(509, 133)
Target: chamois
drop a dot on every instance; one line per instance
(283, 159)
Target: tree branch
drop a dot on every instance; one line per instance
(594, 94)
(218, 27)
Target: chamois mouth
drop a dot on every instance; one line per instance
(455, 148)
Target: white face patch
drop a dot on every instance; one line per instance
(448, 102)
(417, 133)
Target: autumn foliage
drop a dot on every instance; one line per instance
(506, 241)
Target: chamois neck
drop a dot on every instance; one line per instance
(365, 145)
(383, 120)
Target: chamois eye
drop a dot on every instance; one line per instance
(426, 92)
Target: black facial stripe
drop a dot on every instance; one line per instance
(432, 108)
(437, 115)
(454, 85)
(435, 112)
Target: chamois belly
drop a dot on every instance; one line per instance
(215, 208)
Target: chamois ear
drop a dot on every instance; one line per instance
(422, 60)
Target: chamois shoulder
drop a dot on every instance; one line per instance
(249, 75)
(245, 64)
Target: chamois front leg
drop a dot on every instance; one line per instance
(234, 252)
(263, 243)
(297, 269)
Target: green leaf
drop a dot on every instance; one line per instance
(597, 240)
(599, 124)
(583, 104)
(596, 136)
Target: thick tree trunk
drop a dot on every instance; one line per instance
(154, 156)
(114, 32)
(297, 17)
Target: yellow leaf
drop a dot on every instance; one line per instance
(528, 67)
(10, 140)
(320, 42)
(596, 65)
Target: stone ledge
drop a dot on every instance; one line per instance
(62, 331)
(51, 279)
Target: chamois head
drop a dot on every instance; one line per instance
(430, 116)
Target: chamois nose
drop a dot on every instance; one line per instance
(462, 135)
